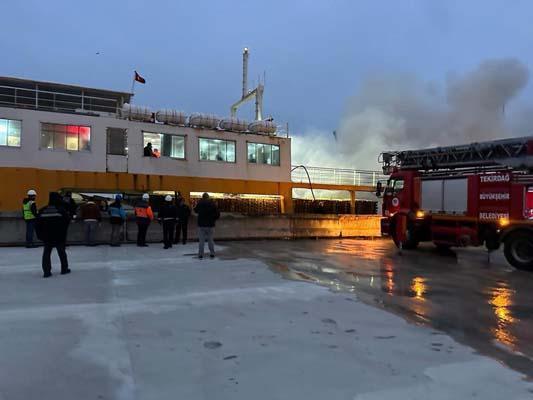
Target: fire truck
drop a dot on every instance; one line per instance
(456, 196)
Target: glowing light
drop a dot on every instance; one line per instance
(503, 222)
(237, 196)
(389, 283)
(367, 250)
(420, 214)
(501, 301)
(418, 287)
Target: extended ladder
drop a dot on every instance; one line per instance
(515, 153)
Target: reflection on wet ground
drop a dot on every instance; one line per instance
(488, 306)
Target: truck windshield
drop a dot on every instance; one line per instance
(394, 186)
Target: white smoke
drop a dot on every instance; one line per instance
(400, 112)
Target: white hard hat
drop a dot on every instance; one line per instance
(168, 197)
(146, 196)
(32, 192)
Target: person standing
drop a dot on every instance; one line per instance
(51, 227)
(91, 217)
(117, 216)
(148, 152)
(184, 212)
(29, 213)
(207, 215)
(70, 204)
(167, 217)
(143, 216)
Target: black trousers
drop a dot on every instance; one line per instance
(47, 252)
(181, 227)
(142, 228)
(168, 232)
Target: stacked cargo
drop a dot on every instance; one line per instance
(362, 207)
(245, 206)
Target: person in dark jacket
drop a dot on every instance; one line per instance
(91, 217)
(52, 225)
(148, 152)
(207, 215)
(117, 216)
(167, 217)
(29, 213)
(70, 204)
(184, 212)
(143, 217)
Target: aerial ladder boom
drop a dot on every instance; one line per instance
(514, 153)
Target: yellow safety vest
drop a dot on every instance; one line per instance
(27, 210)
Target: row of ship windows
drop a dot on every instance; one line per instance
(78, 138)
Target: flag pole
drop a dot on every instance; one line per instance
(132, 89)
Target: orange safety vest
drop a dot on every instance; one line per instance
(144, 212)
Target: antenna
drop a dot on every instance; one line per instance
(244, 72)
(256, 93)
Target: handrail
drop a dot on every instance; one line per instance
(308, 178)
(30, 98)
(61, 93)
(337, 176)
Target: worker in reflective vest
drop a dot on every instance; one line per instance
(29, 213)
(143, 217)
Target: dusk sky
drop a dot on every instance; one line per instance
(315, 53)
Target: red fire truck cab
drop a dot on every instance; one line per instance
(469, 195)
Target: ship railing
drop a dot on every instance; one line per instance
(13, 96)
(337, 176)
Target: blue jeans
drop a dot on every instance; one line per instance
(205, 234)
(30, 227)
(90, 231)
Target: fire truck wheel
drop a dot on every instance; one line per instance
(411, 243)
(518, 250)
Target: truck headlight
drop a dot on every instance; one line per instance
(503, 222)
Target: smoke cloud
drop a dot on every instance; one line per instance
(400, 112)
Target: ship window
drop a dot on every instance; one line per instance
(10, 132)
(117, 141)
(260, 153)
(217, 150)
(177, 146)
(65, 137)
(168, 145)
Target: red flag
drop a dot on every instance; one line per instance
(139, 78)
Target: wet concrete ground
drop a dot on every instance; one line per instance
(488, 306)
(146, 323)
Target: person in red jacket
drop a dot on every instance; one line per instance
(143, 217)
(91, 217)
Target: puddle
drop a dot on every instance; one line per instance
(486, 306)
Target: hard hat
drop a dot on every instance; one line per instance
(32, 192)
(118, 197)
(168, 197)
(146, 196)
